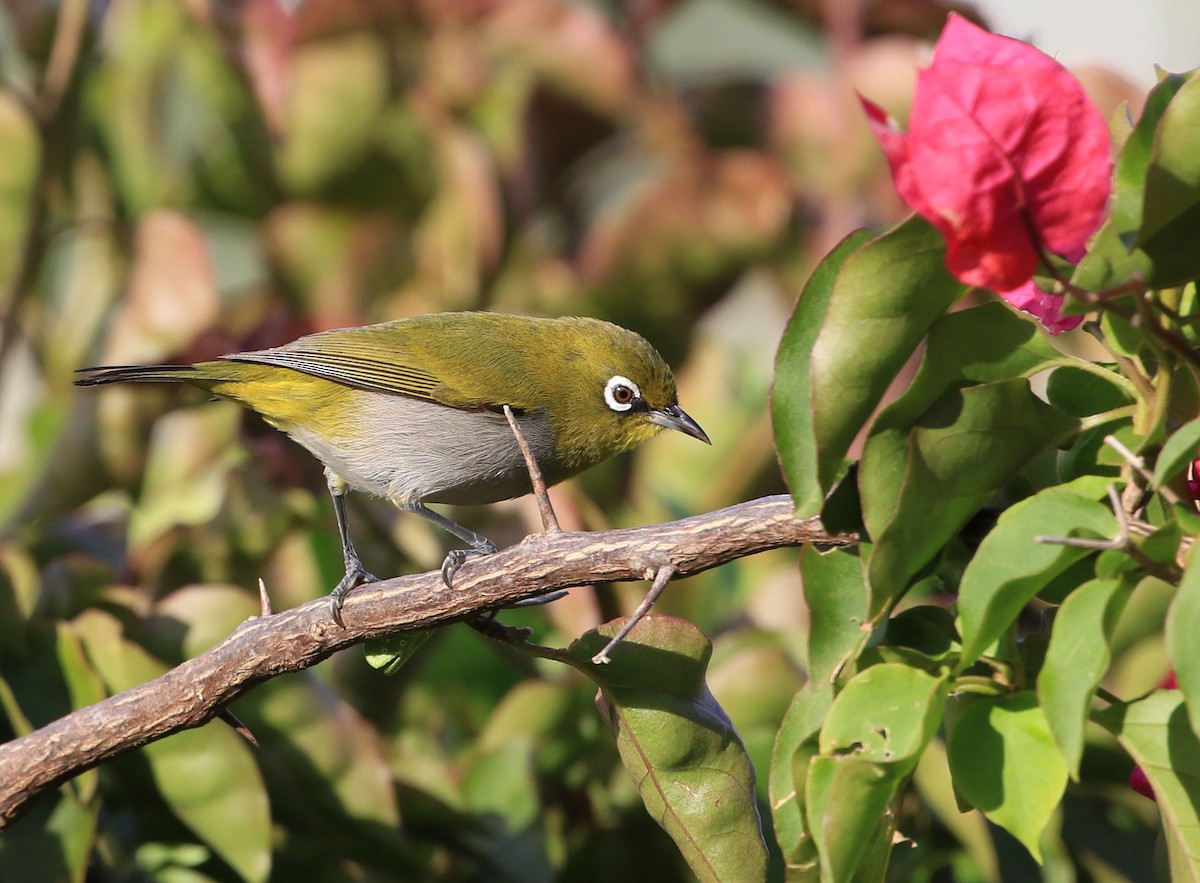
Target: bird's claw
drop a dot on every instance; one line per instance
(455, 559)
(356, 575)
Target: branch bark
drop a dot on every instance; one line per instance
(260, 648)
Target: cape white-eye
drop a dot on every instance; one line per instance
(412, 410)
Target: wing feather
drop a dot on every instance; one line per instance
(352, 357)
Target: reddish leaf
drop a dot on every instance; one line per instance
(1005, 154)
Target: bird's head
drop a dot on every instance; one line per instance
(614, 391)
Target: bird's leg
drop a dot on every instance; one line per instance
(549, 519)
(480, 545)
(355, 573)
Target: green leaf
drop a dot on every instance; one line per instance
(791, 393)
(795, 745)
(500, 786)
(1081, 462)
(1177, 452)
(870, 742)
(836, 592)
(935, 786)
(885, 296)
(332, 774)
(1162, 546)
(960, 452)
(1156, 733)
(48, 678)
(925, 628)
(391, 653)
(1129, 174)
(1183, 629)
(1172, 206)
(1010, 566)
(755, 678)
(983, 344)
(207, 775)
(1111, 258)
(1109, 263)
(1076, 660)
(335, 764)
(678, 744)
(547, 714)
(1006, 764)
(1081, 393)
(847, 804)
(885, 714)
(20, 585)
(186, 475)
(54, 841)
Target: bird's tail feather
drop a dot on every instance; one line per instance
(203, 374)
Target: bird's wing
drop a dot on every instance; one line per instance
(359, 357)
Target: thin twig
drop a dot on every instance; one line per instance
(518, 639)
(291, 640)
(1139, 466)
(661, 578)
(1105, 300)
(549, 519)
(1127, 527)
(1120, 541)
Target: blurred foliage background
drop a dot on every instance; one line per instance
(181, 180)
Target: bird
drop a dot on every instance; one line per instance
(413, 410)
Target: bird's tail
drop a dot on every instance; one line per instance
(203, 374)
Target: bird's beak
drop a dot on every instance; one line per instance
(674, 417)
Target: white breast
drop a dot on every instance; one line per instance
(412, 451)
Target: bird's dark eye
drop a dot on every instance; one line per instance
(620, 393)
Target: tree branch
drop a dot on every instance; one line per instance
(260, 648)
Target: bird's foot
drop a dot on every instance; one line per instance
(356, 575)
(455, 559)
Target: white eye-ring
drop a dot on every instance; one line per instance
(620, 393)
